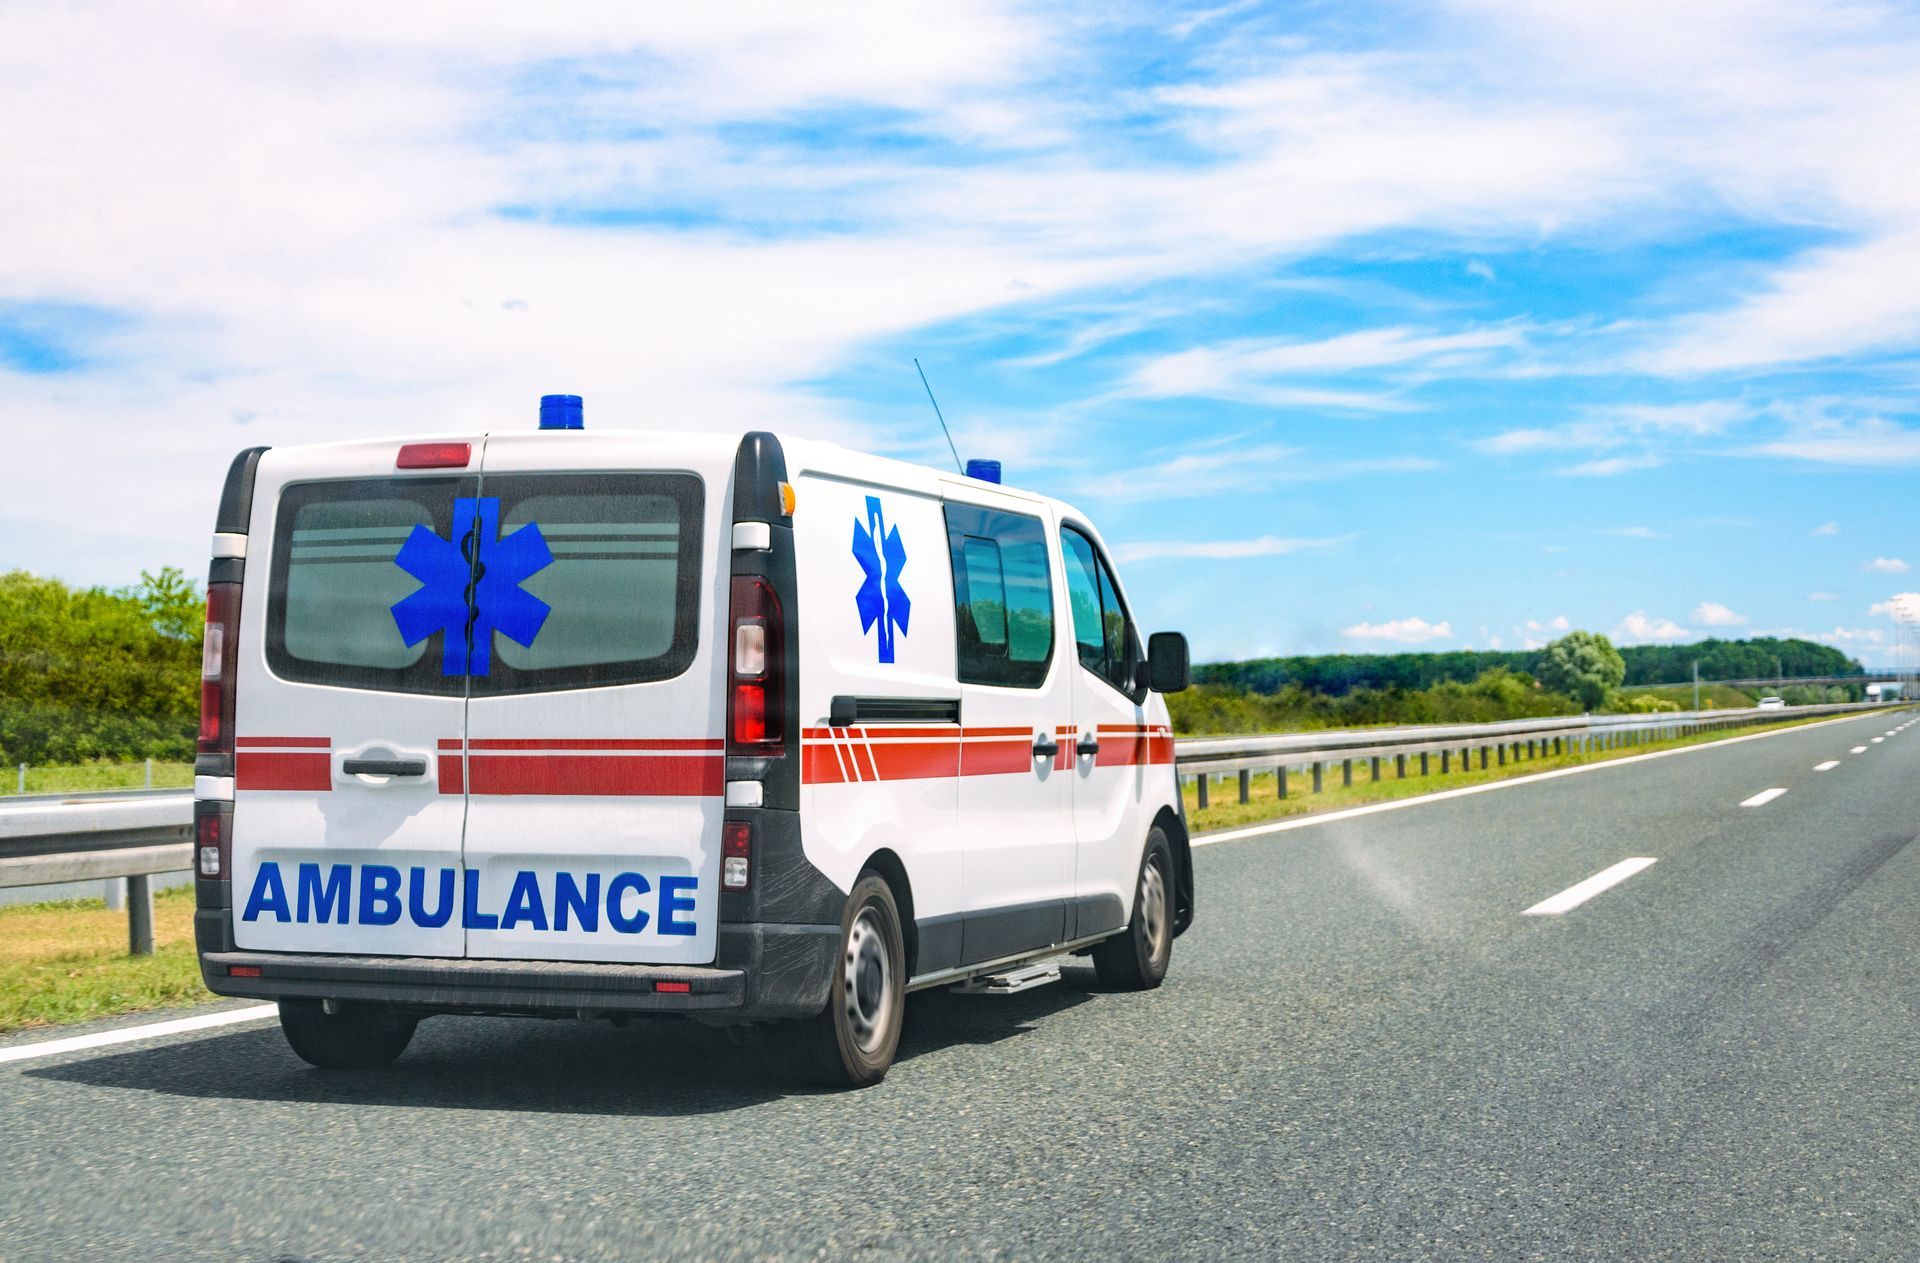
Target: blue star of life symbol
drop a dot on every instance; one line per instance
(881, 600)
(470, 586)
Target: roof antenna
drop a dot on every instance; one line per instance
(936, 412)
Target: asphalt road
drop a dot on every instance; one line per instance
(1364, 1051)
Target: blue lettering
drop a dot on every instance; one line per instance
(318, 902)
(417, 903)
(567, 898)
(379, 895)
(671, 904)
(269, 895)
(618, 887)
(472, 918)
(524, 903)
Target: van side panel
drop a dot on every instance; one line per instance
(874, 580)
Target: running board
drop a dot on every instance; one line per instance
(1010, 983)
(1004, 964)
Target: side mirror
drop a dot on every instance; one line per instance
(1169, 669)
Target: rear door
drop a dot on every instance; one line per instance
(595, 753)
(347, 820)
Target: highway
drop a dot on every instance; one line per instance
(1385, 1038)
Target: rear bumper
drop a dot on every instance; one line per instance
(761, 972)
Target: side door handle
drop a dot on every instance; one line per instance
(1088, 745)
(1045, 747)
(384, 767)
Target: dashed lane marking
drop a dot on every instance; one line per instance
(1764, 797)
(1828, 766)
(1573, 896)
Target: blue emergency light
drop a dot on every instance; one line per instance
(561, 412)
(984, 470)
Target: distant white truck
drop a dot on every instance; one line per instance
(1770, 702)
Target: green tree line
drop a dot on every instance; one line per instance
(1341, 673)
(99, 673)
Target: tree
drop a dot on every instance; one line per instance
(1583, 665)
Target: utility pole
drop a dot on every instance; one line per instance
(1696, 686)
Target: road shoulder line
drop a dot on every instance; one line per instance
(1397, 804)
(129, 1034)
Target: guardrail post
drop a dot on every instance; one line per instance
(1400, 765)
(1446, 762)
(1200, 783)
(1503, 756)
(1485, 755)
(1280, 775)
(1346, 771)
(140, 915)
(1246, 785)
(1375, 761)
(1317, 769)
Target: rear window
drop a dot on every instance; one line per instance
(506, 584)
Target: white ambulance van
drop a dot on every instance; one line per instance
(741, 728)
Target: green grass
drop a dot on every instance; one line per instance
(67, 961)
(1712, 696)
(76, 778)
(1226, 811)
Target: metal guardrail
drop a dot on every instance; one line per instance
(137, 834)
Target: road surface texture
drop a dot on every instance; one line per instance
(1366, 1050)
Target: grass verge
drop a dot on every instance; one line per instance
(79, 777)
(67, 961)
(1228, 812)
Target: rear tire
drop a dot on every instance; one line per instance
(852, 1043)
(358, 1037)
(1136, 959)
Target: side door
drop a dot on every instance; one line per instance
(1115, 744)
(1016, 795)
(594, 758)
(344, 665)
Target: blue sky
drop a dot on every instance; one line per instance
(1357, 326)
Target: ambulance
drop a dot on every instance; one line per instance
(742, 728)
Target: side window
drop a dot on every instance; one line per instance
(1109, 647)
(1003, 596)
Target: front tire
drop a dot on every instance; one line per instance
(358, 1037)
(1136, 959)
(852, 1043)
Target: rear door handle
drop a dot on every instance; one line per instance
(384, 767)
(1088, 746)
(1045, 747)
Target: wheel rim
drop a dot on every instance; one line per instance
(1153, 908)
(867, 981)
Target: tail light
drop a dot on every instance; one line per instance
(218, 654)
(736, 855)
(756, 723)
(212, 838)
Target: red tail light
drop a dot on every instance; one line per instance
(212, 829)
(218, 654)
(755, 658)
(736, 855)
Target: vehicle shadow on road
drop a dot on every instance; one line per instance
(647, 1069)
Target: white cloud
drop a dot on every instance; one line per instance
(1405, 631)
(1903, 605)
(1827, 528)
(1888, 565)
(1633, 532)
(1222, 549)
(1636, 628)
(1873, 441)
(1611, 466)
(1821, 596)
(1714, 614)
(1250, 369)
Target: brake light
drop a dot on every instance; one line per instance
(210, 833)
(756, 719)
(218, 653)
(736, 855)
(434, 456)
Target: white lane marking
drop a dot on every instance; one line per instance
(1828, 766)
(1573, 896)
(1764, 797)
(1878, 740)
(1859, 749)
(128, 1034)
(1420, 800)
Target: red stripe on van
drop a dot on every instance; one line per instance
(292, 743)
(661, 776)
(259, 770)
(453, 773)
(593, 743)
